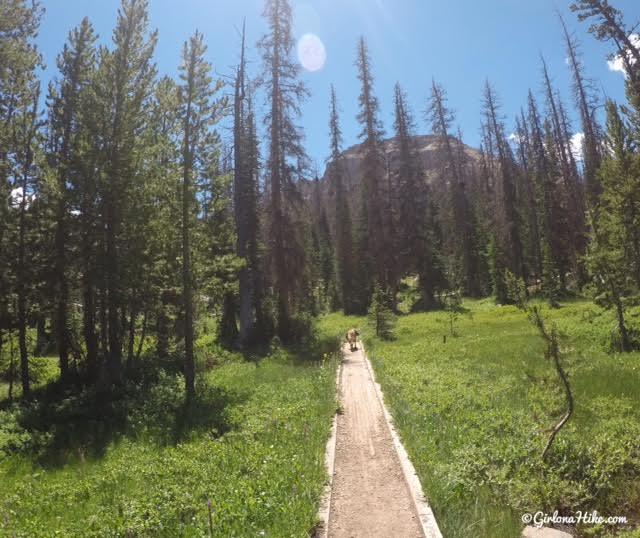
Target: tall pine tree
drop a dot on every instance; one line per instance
(286, 161)
(198, 113)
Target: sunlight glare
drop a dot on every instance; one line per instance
(311, 52)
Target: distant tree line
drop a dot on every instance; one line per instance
(127, 220)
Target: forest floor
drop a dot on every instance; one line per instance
(369, 494)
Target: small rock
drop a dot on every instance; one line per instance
(543, 532)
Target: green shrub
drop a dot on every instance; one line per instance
(381, 318)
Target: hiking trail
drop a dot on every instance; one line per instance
(374, 491)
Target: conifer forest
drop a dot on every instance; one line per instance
(177, 276)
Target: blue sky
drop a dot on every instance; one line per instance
(460, 43)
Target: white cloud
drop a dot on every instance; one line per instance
(577, 141)
(617, 64)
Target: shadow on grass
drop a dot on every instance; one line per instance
(70, 423)
(312, 347)
(67, 425)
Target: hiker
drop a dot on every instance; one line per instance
(352, 338)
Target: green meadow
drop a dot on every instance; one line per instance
(474, 411)
(245, 459)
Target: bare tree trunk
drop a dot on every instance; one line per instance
(553, 352)
(569, 397)
(143, 335)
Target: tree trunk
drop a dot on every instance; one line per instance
(22, 317)
(21, 266)
(228, 327)
(242, 182)
(187, 284)
(41, 334)
(104, 321)
(132, 335)
(162, 328)
(625, 343)
(12, 367)
(114, 356)
(89, 328)
(62, 336)
(143, 335)
(555, 355)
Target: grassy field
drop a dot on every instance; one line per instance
(143, 465)
(43, 370)
(474, 412)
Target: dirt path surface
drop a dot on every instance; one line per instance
(370, 497)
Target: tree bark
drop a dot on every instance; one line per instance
(228, 326)
(143, 336)
(29, 131)
(625, 343)
(187, 295)
(132, 335)
(241, 185)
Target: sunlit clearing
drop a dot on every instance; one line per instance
(311, 52)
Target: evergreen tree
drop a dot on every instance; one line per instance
(219, 261)
(609, 26)
(245, 202)
(26, 176)
(286, 161)
(164, 238)
(322, 255)
(417, 253)
(509, 219)
(586, 104)
(571, 191)
(548, 209)
(527, 195)
(125, 81)
(76, 64)
(198, 113)
(441, 120)
(381, 318)
(372, 221)
(19, 126)
(343, 224)
(614, 254)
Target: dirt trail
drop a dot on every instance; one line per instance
(370, 497)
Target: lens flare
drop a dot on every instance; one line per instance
(311, 52)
